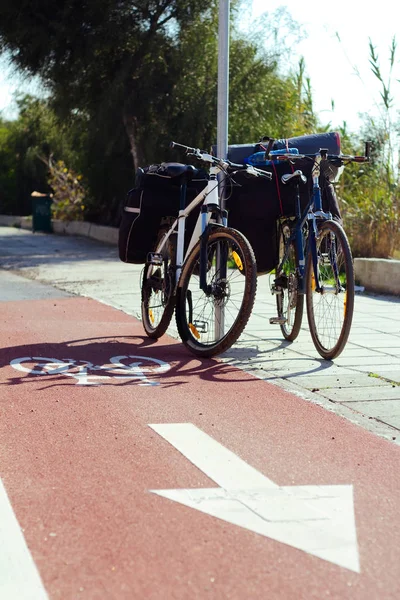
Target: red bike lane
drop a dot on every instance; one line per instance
(136, 470)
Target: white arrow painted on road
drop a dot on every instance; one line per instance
(316, 519)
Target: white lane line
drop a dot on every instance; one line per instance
(19, 577)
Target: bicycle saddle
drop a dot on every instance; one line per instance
(295, 178)
(176, 169)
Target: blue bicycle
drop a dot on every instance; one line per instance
(315, 261)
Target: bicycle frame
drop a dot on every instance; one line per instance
(311, 214)
(210, 199)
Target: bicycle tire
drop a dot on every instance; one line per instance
(330, 312)
(196, 313)
(289, 303)
(158, 283)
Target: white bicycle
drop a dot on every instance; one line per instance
(212, 284)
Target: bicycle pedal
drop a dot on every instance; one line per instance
(201, 326)
(277, 320)
(155, 259)
(325, 259)
(197, 328)
(276, 291)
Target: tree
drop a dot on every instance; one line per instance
(8, 167)
(25, 145)
(22, 139)
(126, 77)
(99, 56)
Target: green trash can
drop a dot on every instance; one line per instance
(41, 212)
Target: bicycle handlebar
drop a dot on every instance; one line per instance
(187, 148)
(342, 158)
(221, 162)
(197, 153)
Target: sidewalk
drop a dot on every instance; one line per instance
(362, 385)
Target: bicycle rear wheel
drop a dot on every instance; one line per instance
(158, 283)
(330, 308)
(289, 302)
(210, 322)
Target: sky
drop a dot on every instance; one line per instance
(330, 64)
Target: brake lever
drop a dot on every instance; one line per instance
(251, 171)
(258, 173)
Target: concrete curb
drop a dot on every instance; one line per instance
(376, 275)
(18, 222)
(101, 233)
(379, 275)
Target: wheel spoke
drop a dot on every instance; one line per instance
(210, 321)
(288, 300)
(330, 309)
(157, 290)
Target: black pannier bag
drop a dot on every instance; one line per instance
(255, 203)
(154, 199)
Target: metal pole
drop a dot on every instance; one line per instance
(222, 121)
(223, 78)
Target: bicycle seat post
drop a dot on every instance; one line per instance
(182, 197)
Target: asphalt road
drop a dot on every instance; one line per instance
(130, 469)
(362, 384)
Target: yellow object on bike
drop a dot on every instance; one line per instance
(313, 284)
(237, 260)
(193, 329)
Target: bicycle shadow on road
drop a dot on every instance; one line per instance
(269, 363)
(122, 361)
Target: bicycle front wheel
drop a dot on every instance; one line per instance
(289, 301)
(210, 321)
(158, 283)
(330, 304)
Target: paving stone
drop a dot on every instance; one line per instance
(355, 394)
(386, 411)
(325, 381)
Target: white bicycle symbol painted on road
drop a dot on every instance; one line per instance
(81, 369)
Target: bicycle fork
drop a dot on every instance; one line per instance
(314, 258)
(202, 232)
(330, 259)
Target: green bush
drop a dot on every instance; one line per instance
(68, 192)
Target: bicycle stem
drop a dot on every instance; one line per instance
(316, 171)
